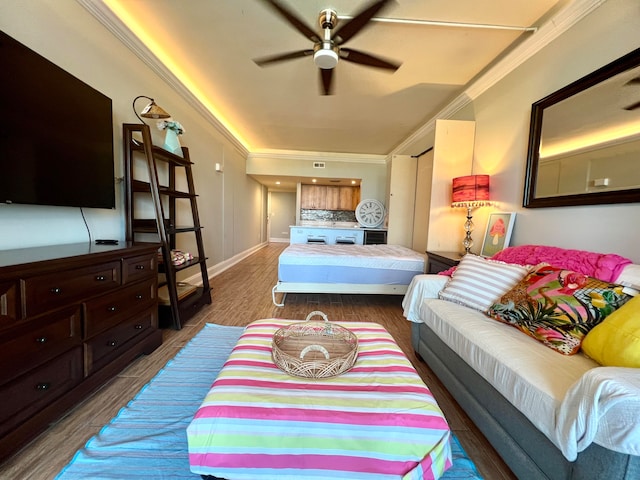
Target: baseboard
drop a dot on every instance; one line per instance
(218, 268)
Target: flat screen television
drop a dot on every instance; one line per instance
(56, 134)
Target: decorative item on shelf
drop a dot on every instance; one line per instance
(172, 130)
(498, 233)
(151, 110)
(470, 191)
(179, 257)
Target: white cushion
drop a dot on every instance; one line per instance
(630, 276)
(478, 282)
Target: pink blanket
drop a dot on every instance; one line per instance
(604, 266)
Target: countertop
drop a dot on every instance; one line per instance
(336, 226)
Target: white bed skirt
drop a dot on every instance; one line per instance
(347, 269)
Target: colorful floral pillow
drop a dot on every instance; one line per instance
(558, 307)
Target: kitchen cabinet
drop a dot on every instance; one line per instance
(342, 198)
(326, 235)
(313, 197)
(328, 197)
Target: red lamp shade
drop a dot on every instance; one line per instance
(470, 191)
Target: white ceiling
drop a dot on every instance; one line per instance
(205, 49)
(212, 43)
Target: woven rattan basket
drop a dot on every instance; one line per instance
(314, 349)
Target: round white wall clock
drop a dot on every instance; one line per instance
(370, 213)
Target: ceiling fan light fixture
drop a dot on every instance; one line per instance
(325, 58)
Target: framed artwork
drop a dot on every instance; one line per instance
(498, 233)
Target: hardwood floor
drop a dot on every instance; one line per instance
(241, 294)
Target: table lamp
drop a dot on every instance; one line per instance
(470, 191)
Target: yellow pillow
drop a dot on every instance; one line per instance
(616, 341)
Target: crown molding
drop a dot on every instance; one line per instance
(552, 29)
(107, 18)
(300, 155)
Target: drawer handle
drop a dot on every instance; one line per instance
(139, 297)
(41, 339)
(56, 290)
(100, 278)
(43, 386)
(111, 309)
(139, 267)
(112, 343)
(138, 326)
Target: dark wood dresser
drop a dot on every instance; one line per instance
(440, 261)
(71, 317)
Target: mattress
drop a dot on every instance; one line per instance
(578, 404)
(359, 264)
(376, 421)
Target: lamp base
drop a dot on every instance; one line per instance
(468, 228)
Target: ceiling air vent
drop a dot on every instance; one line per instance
(318, 165)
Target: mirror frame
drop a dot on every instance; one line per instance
(626, 62)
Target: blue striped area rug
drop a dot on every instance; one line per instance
(148, 439)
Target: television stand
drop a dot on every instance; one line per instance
(71, 317)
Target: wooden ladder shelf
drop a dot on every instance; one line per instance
(140, 154)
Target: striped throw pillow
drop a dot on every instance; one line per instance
(478, 282)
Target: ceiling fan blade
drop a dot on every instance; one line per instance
(362, 58)
(633, 106)
(326, 79)
(345, 32)
(282, 57)
(294, 20)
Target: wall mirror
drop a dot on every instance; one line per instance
(584, 140)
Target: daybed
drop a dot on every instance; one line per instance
(364, 269)
(547, 414)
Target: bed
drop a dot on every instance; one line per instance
(348, 269)
(376, 421)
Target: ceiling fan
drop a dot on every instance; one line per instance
(633, 81)
(328, 49)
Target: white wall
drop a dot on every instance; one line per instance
(502, 116)
(452, 157)
(371, 169)
(232, 206)
(282, 214)
(502, 131)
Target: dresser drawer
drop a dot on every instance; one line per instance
(37, 341)
(104, 347)
(26, 395)
(137, 268)
(9, 304)
(104, 312)
(47, 292)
